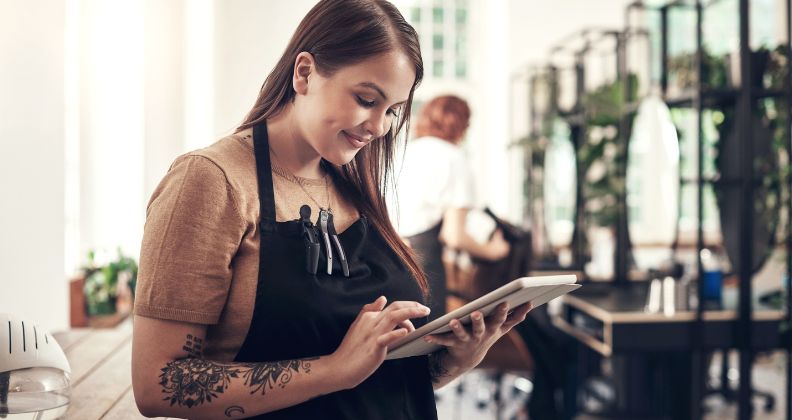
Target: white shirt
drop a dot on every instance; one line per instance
(433, 176)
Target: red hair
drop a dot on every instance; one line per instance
(446, 117)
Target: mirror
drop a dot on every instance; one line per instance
(560, 186)
(652, 184)
(766, 192)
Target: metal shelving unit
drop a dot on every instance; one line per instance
(744, 99)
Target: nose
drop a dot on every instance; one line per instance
(377, 124)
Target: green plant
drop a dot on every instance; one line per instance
(102, 282)
(682, 69)
(777, 66)
(602, 154)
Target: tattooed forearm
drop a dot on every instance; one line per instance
(234, 410)
(193, 346)
(191, 382)
(436, 368)
(262, 375)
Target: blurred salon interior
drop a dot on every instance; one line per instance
(643, 146)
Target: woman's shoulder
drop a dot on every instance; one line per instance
(230, 156)
(229, 153)
(227, 164)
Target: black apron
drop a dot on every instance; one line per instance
(298, 314)
(430, 255)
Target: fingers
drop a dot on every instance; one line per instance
(377, 305)
(447, 339)
(399, 304)
(498, 316)
(517, 316)
(459, 331)
(390, 318)
(388, 312)
(408, 325)
(478, 324)
(389, 338)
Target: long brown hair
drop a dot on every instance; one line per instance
(339, 33)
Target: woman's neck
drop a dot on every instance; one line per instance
(292, 151)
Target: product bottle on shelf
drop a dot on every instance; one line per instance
(712, 278)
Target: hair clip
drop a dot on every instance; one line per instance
(311, 241)
(334, 235)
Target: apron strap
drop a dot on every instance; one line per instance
(264, 172)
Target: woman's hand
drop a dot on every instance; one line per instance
(366, 342)
(467, 346)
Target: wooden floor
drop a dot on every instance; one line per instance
(101, 372)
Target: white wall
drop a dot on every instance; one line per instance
(111, 125)
(32, 284)
(164, 91)
(250, 36)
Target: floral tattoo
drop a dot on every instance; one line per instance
(191, 382)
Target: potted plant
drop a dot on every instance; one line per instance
(104, 283)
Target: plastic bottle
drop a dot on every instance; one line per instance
(712, 278)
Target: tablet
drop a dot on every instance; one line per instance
(537, 290)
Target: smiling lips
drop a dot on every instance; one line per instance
(355, 141)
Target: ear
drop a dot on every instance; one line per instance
(303, 68)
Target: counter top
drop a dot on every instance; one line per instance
(101, 372)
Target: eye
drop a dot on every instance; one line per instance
(371, 104)
(364, 103)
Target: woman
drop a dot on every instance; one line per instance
(240, 308)
(433, 204)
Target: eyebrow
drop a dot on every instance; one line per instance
(374, 86)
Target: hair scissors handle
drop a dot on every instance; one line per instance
(324, 216)
(334, 236)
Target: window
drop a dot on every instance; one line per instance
(443, 25)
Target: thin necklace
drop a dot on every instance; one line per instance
(293, 178)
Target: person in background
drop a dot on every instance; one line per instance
(240, 310)
(434, 192)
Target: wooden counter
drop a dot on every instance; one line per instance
(101, 372)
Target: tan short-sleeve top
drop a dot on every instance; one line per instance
(199, 259)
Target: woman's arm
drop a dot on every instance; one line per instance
(454, 235)
(171, 378)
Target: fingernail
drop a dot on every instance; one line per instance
(476, 316)
(428, 339)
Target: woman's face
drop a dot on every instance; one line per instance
(340, 114)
